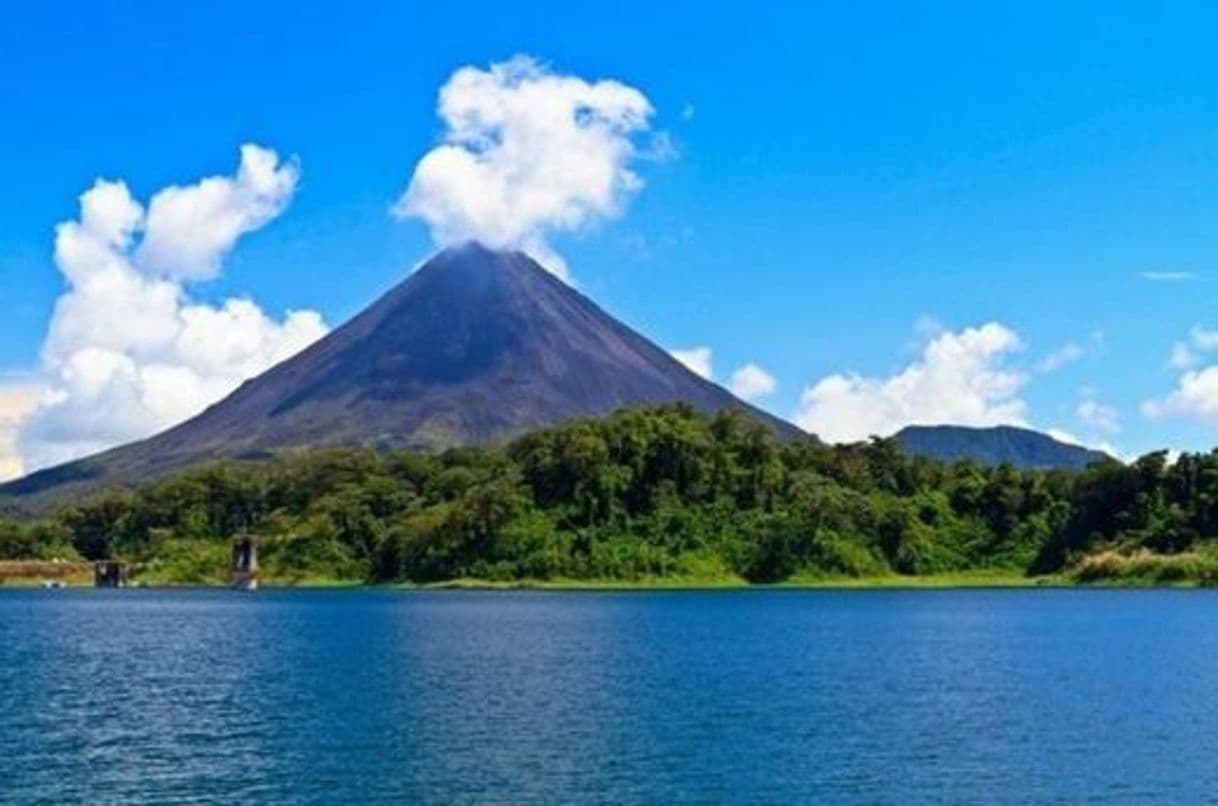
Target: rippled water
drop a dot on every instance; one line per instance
(369, 696)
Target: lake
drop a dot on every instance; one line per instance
(532, 697)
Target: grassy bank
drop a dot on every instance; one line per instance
(1147, 569)
(34, 573)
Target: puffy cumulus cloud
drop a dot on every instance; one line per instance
(17, 400)
(750, 382)
(127, 352)
(1195, 395)
(527, 152)
(1196, 391)
(698, 360)
(188, 230)
(960, 378)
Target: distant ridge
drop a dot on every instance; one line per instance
(476, 346)
(1021, 447)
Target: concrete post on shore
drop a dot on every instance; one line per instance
(110, 574)
(245, 563)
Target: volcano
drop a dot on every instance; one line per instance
(475, 347)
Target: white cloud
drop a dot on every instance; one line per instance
(1070, 439)
(960, 378)
(1062, 435)
(128, 353)
(1098, 416)
(1195, 395)
(527, 152)
(750, 382)
(1068, 353)
(698, 360)
(1196, 392)
(188, 230)
(16, 402)
(1166, 276)
(1186, 354)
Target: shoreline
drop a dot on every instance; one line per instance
(894, 582)
(955, 581)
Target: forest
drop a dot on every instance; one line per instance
(657, 494)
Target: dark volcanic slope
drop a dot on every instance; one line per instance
(475, 346)
(993, 446)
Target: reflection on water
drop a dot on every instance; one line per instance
(313, 696)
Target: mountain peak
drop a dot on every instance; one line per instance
(475, 256)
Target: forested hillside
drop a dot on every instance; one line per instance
(1021, 447)
(660, 493)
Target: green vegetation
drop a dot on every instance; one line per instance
(658, 496)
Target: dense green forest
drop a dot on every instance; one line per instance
(653, 494)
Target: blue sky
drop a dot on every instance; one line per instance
(850, 180)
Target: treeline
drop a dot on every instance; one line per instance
(652, 493)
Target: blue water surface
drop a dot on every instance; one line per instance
(750, 696)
